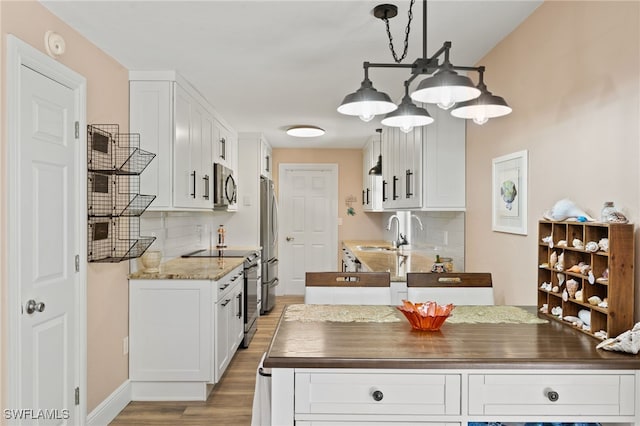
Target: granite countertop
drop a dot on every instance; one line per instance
(202, 268)
(396, 262)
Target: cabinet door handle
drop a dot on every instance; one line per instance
(206, 187)
(384, 190)
(363, 203)
(223, 148)
(239, 297)
(409, 173)
(368, 190)
(193, 175)
(395, 180)
(268, 168)
(226, 302)
(377, 395)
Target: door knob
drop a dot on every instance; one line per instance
(290, 238)
(32, 306)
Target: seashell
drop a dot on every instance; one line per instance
(577, 243)
(579, 295)
(573, 320)
(575, 269)
(584, 268)
(629, 341)
(557, 311)
(562, 243)
(605, 274)
(601, 334)
(604, 244)
(592, 278)
(615, 217)
(604, 303)
(594, 300)
(591, 247)
(555, 289)
(572, 287)
(560, 279)
(585, 316)
(544, 265)
(560, 264)
(544, 309)
(565, 295)
(548, 240)
(565, 209)
(553, 259)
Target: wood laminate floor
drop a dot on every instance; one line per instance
(230, 401)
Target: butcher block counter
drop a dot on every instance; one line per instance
(377, 367)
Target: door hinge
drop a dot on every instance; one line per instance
(77, 396)
(77, 263)
(77, 130)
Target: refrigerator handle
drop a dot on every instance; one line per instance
(274, 218)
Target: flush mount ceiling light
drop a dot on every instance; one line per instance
(444, 86)
(305, 131)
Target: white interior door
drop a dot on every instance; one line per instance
(308, 223)
(48, 183)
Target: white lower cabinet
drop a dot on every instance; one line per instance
(380, 397)
(228, 322)
(176, 334)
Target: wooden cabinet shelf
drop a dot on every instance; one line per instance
(611, 278)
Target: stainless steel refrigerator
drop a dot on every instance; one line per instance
(269, 243)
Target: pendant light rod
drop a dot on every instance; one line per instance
(424, 28)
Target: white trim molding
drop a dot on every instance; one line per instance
(109, 409)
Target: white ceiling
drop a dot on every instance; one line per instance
(267, 65)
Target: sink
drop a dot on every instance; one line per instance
(374, 248)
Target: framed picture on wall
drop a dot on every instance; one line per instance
(509, 193)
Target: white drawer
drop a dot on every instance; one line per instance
(546, 394)
(370, 423)
(377, 393)
(225, 283)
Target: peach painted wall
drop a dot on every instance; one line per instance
(364, 225)
(571, 73)
(107, 102)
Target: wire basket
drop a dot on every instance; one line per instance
(114, 239)
(115, 195)
(113, 152)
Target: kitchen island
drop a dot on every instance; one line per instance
(331, 372)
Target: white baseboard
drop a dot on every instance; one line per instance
(108, 409)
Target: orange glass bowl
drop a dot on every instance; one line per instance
(427, 316)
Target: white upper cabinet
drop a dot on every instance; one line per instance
(444, 162)
(425, 168)
(371, 184)
(266, 159)
(178, 124)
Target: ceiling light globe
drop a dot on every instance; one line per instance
(366, 117)
(483, 108)
(366, 102)
(406, 129)
(445, 87)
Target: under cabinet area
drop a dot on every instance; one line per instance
(183, 334)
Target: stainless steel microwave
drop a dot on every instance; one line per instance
(224, 186)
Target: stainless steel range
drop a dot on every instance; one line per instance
(251, 285)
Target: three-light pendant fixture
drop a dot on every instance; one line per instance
(445, 87)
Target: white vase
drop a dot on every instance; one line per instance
(151, 260)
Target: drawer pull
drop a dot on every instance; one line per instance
(552, 395)
(377, 395)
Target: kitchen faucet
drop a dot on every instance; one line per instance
(400, 240)
(418, 220)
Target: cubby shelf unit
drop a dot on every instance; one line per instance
(617, 263)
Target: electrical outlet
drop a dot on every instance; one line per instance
(125, 345)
